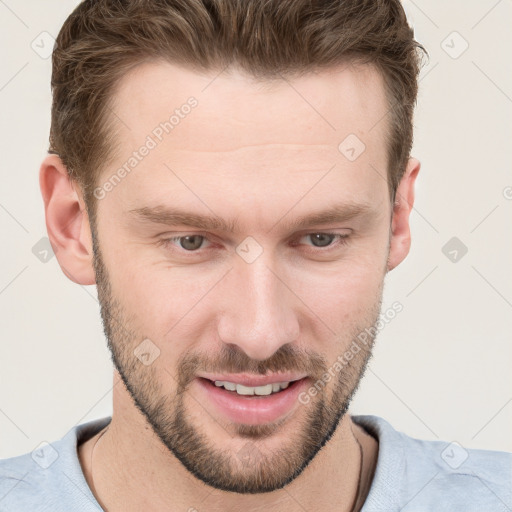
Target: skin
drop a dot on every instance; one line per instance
(260, 154)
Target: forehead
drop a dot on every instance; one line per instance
(223, 130)
(348, 98)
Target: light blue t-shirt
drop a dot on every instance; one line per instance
(411, 475)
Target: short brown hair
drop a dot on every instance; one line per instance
(103, 39)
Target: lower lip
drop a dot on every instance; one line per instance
(253, 410)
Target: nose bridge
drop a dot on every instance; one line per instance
(259, 316)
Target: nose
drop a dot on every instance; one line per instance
(257, 310)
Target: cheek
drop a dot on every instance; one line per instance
(344, 302)
(160, 300)
(342, 292)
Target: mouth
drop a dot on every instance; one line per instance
(250, 400)
(266, 390)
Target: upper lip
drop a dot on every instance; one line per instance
(251, 380)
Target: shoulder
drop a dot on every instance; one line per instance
(50, 477)
(437, 475)
(22, 479)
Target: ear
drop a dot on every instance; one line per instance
(400, 240)
(67, 221)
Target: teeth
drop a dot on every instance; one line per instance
(229, 386)
(263, 390)
(244, 390)
(266, 390)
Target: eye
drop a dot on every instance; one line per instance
(324, 239)
(321, 239)
(187, 242)
(194, 242)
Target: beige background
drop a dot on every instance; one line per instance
(441, 368)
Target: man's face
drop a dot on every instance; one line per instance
(272, 289)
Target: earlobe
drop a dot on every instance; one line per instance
(400, 238)
(67, 221)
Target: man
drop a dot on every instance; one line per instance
(236, 179)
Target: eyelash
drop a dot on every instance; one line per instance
(342, 240)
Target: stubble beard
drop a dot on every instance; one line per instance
(250, 468)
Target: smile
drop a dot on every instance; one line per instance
(240, 389)
(251, 400)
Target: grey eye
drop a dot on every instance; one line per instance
(321, 239)
(191, 242)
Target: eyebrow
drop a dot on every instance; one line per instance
(173, 217)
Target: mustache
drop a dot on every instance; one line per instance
(231, 359)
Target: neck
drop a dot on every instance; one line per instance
(128, 468)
